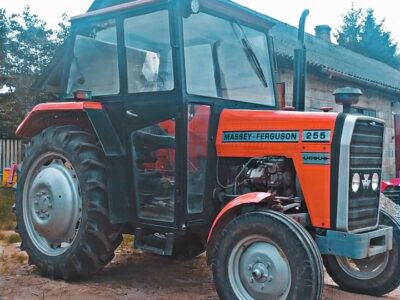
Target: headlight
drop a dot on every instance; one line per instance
(375, 181)
(355, 182)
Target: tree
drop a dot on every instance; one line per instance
(349, 34)
(362, 33)
(27, 47)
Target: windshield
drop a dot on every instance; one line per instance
(94, 64)
(225, 59)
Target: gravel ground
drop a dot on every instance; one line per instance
(133, 275)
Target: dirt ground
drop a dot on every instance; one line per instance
(131, 275)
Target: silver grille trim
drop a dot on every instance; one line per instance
(342, 221)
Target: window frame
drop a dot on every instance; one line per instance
(214, 10)
(119, 17)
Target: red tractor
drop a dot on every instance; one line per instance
(169, 129)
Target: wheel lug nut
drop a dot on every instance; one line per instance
(47, 214)
(270, 278)
(268, 264)
(250, 267)
(258, 259)
(252, 280)
(50, 206)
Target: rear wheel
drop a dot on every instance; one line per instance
(62, 206)
(376, 275)
(266, 255)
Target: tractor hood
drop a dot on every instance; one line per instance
(246, 133)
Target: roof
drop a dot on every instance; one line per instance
(335, 60)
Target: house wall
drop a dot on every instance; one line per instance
(319, 90)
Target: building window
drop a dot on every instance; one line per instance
(363, 111)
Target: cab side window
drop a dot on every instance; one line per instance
(149, 53)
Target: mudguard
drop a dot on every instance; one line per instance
(86, 114)
(224, 215)
(91, 116)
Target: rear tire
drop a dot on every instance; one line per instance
(62, 205)
(266, 255)
(383, 270)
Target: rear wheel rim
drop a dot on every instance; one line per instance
(366, 268)
(258, 269)
(52, 204)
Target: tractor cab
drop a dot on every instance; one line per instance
(163, 71)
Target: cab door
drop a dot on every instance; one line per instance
(153, 117)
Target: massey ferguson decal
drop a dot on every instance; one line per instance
(260, 136)
(315, 158)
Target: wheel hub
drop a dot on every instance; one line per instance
(43, 205)
(260, 272)
(53, 205)
(253, 266)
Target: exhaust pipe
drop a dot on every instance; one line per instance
(300, 66)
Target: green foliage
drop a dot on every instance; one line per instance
(7, 218)
(13, 238)
(349, 33)
(362, 33)
(27, 46)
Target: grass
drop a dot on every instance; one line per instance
(13, 238)
(7, 218)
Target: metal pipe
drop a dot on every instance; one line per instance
(300, 66)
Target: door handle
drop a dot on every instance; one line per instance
(131, 113)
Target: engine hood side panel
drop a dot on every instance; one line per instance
(305, 137)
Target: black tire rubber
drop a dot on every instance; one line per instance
(96, 238)
(383, 283)
(298, 246)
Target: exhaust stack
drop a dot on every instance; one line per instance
(300, 66)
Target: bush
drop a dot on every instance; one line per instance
(7, 218)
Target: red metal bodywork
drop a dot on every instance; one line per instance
(250, 198)
(314, 179)
(56, 113)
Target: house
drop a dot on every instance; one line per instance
(329, 67)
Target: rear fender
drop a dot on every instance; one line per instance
(92, 117)
(89, 115)
(230, 210)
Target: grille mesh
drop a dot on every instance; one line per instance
(366, 150)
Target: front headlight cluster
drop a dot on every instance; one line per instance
(356, 182)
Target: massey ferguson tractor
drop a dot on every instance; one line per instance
(170, 128)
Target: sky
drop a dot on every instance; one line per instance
(327, 12)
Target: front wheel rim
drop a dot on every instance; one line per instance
(52, 204)
(258, 269)
(366, 268)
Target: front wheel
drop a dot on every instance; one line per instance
(266, 255)
(376, 275)
(62, 205)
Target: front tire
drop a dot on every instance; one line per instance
(266, 255)
(376, 275)
(62, 205)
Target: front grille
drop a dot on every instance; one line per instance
(366, 150)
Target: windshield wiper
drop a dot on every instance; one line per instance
(250, 54)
